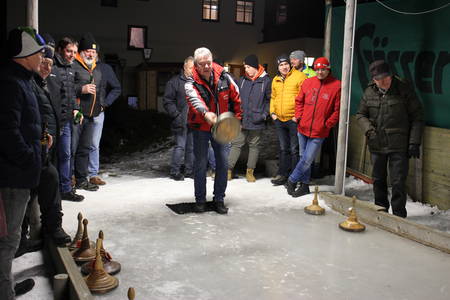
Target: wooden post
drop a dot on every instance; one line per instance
(347, 60)
(327, 35)
(33, 14)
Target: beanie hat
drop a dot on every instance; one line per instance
(322, 63)
(49, 45)
(24, 42)
(298, 54)
(282, 58)
(252, 61)
(379, 69)
(87, 42)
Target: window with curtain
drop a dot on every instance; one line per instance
(210, 10)
(244, 11)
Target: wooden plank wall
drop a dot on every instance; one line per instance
(436, 163)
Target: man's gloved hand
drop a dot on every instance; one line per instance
(414, 150)
(371, 133)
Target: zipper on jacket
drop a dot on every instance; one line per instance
(314, 111)
(95, 95)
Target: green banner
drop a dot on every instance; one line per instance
(417, 47)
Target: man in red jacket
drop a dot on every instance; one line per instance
(210, 92)
(316, 112)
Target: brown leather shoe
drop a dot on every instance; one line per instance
(97, 180)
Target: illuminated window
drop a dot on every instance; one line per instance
(244, 11)
(282, 14)
(137, 37)
(210, 10)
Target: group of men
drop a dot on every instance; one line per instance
(51, 121)
(304, 105)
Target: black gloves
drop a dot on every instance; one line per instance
(414, 150)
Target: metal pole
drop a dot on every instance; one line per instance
(33, 14)
(328, 17)
(347, 59)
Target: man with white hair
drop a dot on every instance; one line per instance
(90, 95)
(210, 92)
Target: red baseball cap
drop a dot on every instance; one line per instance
(322, 63)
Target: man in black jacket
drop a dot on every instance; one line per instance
(90, 94)
(20, 147)
(112, 91)
(391, 117)
(177, 108)
(61, 84)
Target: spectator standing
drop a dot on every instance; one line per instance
(176, 106)
(255, 90)
(285, 87)
(391, 117)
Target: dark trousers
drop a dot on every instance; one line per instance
(82, 141)
(49, 198)
(201, 139)
(287, 136)
(397, 163)
(183, 152)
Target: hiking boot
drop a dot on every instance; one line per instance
(23, 287)
(229, 175)
(279, 180)
(290, 186)
(86, 185)
(220, 208)
(177, 176)
(303, 189)
(97, 180)
(249, 175)
(59, 236)
(189, 175)
(28, 245)
(200, 207)
(72, 196)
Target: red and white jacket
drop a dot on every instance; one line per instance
(201, 98)
(317, 106)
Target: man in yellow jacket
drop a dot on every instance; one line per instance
(285, 87)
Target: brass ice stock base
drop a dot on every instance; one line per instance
(315, 208)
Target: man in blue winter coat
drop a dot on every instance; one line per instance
(255, 91)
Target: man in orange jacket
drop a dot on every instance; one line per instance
(316, 112)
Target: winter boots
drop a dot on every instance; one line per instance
(249, 175)
(279, 180)
(230, 175)
(303, 189)
(290, 186)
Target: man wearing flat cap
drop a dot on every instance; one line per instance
(391, 117)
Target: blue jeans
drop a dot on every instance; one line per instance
(309, 148)
(14, 203)
(94, 153)
(183, 151)
(287, 136)
(64, 158)
(201, 140)
(212, 160)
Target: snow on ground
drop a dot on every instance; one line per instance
(137, 191)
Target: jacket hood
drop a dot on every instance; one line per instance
(81, 61)
(261, 73)
(216, 69)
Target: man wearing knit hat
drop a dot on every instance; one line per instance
(90, 95)
(255, 90)
(20, 151)
(285, 87)
(297, 59)
(391, 117)
(316, 112)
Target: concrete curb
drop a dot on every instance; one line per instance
(369, 213)
(65, 264)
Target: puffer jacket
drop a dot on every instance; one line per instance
(317, 106)
(61, 84)
(20, 129)
(222, 97)
(174, 101)
(395, 117)
(90, 105)
(284, 91)
(255, 98)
